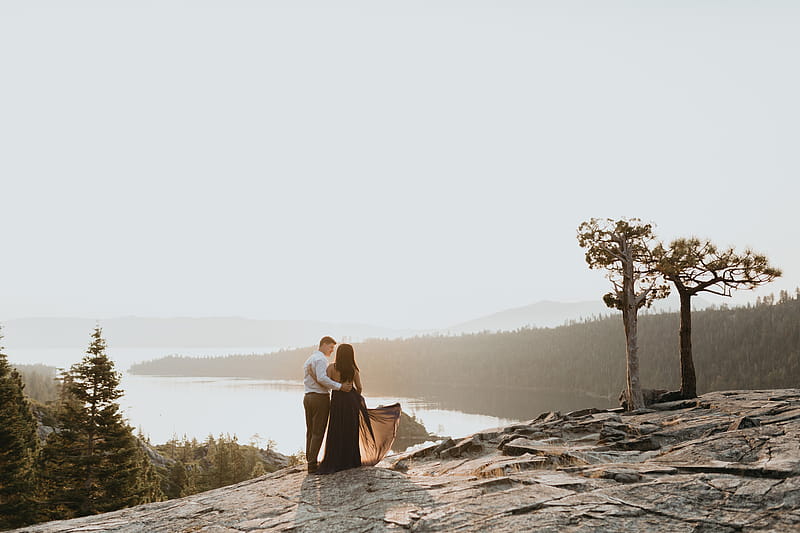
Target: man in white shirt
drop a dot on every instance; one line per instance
(317, 400)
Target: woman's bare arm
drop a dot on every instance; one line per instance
(335, 376)
(357, 382)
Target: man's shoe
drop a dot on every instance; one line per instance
(312, 467)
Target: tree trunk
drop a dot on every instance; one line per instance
(634, 392)
(688, 377)
(629, 317)
(88, 506)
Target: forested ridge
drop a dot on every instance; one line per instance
(751, 347)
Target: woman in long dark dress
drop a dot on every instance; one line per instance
(356, 435)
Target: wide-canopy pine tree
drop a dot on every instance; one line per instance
(19, 446)
(94, 463)
(693, 266)
(624, 249)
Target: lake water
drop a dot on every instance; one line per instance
(254, 410)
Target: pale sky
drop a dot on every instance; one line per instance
(405, 164)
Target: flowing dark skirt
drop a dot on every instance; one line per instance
(356, 435)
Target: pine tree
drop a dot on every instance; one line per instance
(694, 266)
(176, 481)
(61, 454)
(94, 463)
(623, 248)
(19, 446)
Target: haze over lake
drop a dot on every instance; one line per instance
(165, 407)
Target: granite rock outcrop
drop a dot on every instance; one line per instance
(723, 462)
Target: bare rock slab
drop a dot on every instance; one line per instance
(724, 462)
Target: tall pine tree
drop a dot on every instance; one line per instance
(623, 248)
(19, 446)
(94, 463)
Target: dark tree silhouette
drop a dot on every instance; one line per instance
(94, 463)
(623, 248)
(19, 446)
(693, 266)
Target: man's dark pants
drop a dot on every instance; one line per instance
(317, 406)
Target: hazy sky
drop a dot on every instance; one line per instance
(408, 164)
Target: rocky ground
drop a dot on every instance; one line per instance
(727, 461)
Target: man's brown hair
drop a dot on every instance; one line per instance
(326, 340)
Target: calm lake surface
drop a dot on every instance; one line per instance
(261, 410)
(256, 409)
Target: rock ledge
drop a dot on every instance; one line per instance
(727, 461)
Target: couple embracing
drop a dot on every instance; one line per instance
(356, 435)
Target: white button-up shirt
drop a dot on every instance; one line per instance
(315, 367)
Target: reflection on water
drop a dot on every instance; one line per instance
(507, 403)
(256, 410)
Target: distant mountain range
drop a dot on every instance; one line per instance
(539, 314)
(548, 314)
(235, 332)
(222, 332)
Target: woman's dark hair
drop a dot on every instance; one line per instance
(345, 362)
